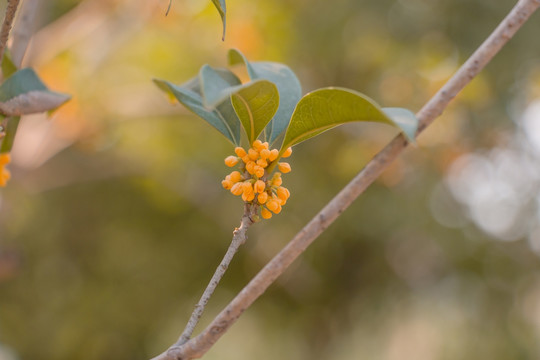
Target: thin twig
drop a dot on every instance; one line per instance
(11, 9)
(239, 238)
(199, 345)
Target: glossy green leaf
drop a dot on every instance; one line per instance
(287, 84)
(222, 117)
(255, 104)
(326, 108)
(23, 93)
(222, 9)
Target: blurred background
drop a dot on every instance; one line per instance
(115, 219)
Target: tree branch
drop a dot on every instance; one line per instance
(239, 238)
(11, 9)
(199, 345)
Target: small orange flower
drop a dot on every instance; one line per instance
(259, 186)
(272, 205)
(284, 167)
(283, 193)
(253, 154)
(235, 176)
(240, 151)
(230, 161)
(262, 198)
(259, 171)
(237, 189)
(265, 213)
(287, 152)
(248, 196)
(227, 184)
(273, 155)
(265, 154)
(250, 167)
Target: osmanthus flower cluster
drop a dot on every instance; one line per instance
(253, 182)
(270, 106)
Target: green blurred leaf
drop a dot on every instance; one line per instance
(217, 84)
(223, 117)
(11, 130)
(8, 67)
(404, 119)
(326, 108)
(24, 93)
(255, 104)
(222, 9)
(287, 84)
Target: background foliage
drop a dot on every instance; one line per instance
(115, 219)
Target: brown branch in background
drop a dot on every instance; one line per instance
(239, 238)
(23, 30)
(11, 9)
(199, 345)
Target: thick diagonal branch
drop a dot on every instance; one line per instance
(199, 345)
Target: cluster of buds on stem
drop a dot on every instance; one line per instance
(253, 182)
(5, 175)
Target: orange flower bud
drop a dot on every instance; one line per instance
(230, 161)
(246, 159)
(250, 167)
(287, 152)
(253, 154)
(259, 171)
(265, 153)
(248, 196)
(240, 151)
(235, 176)
(278, 209)
(273, 154)
(283, 193)
(277, 180)
(237, 189)
(284, 167)
(272, 205)
(262, 198)
(227, 184)
(247, 187)
(266, 214)
(257, 144)
(259, 186)
(262, 163)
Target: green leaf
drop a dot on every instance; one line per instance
(326, 108)
(8, 67)
(222, 9)
(255, 104)
(11, 130)
(404, 119)
(23, 93)
(217, 84)
(222, 117)
(287, 84)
